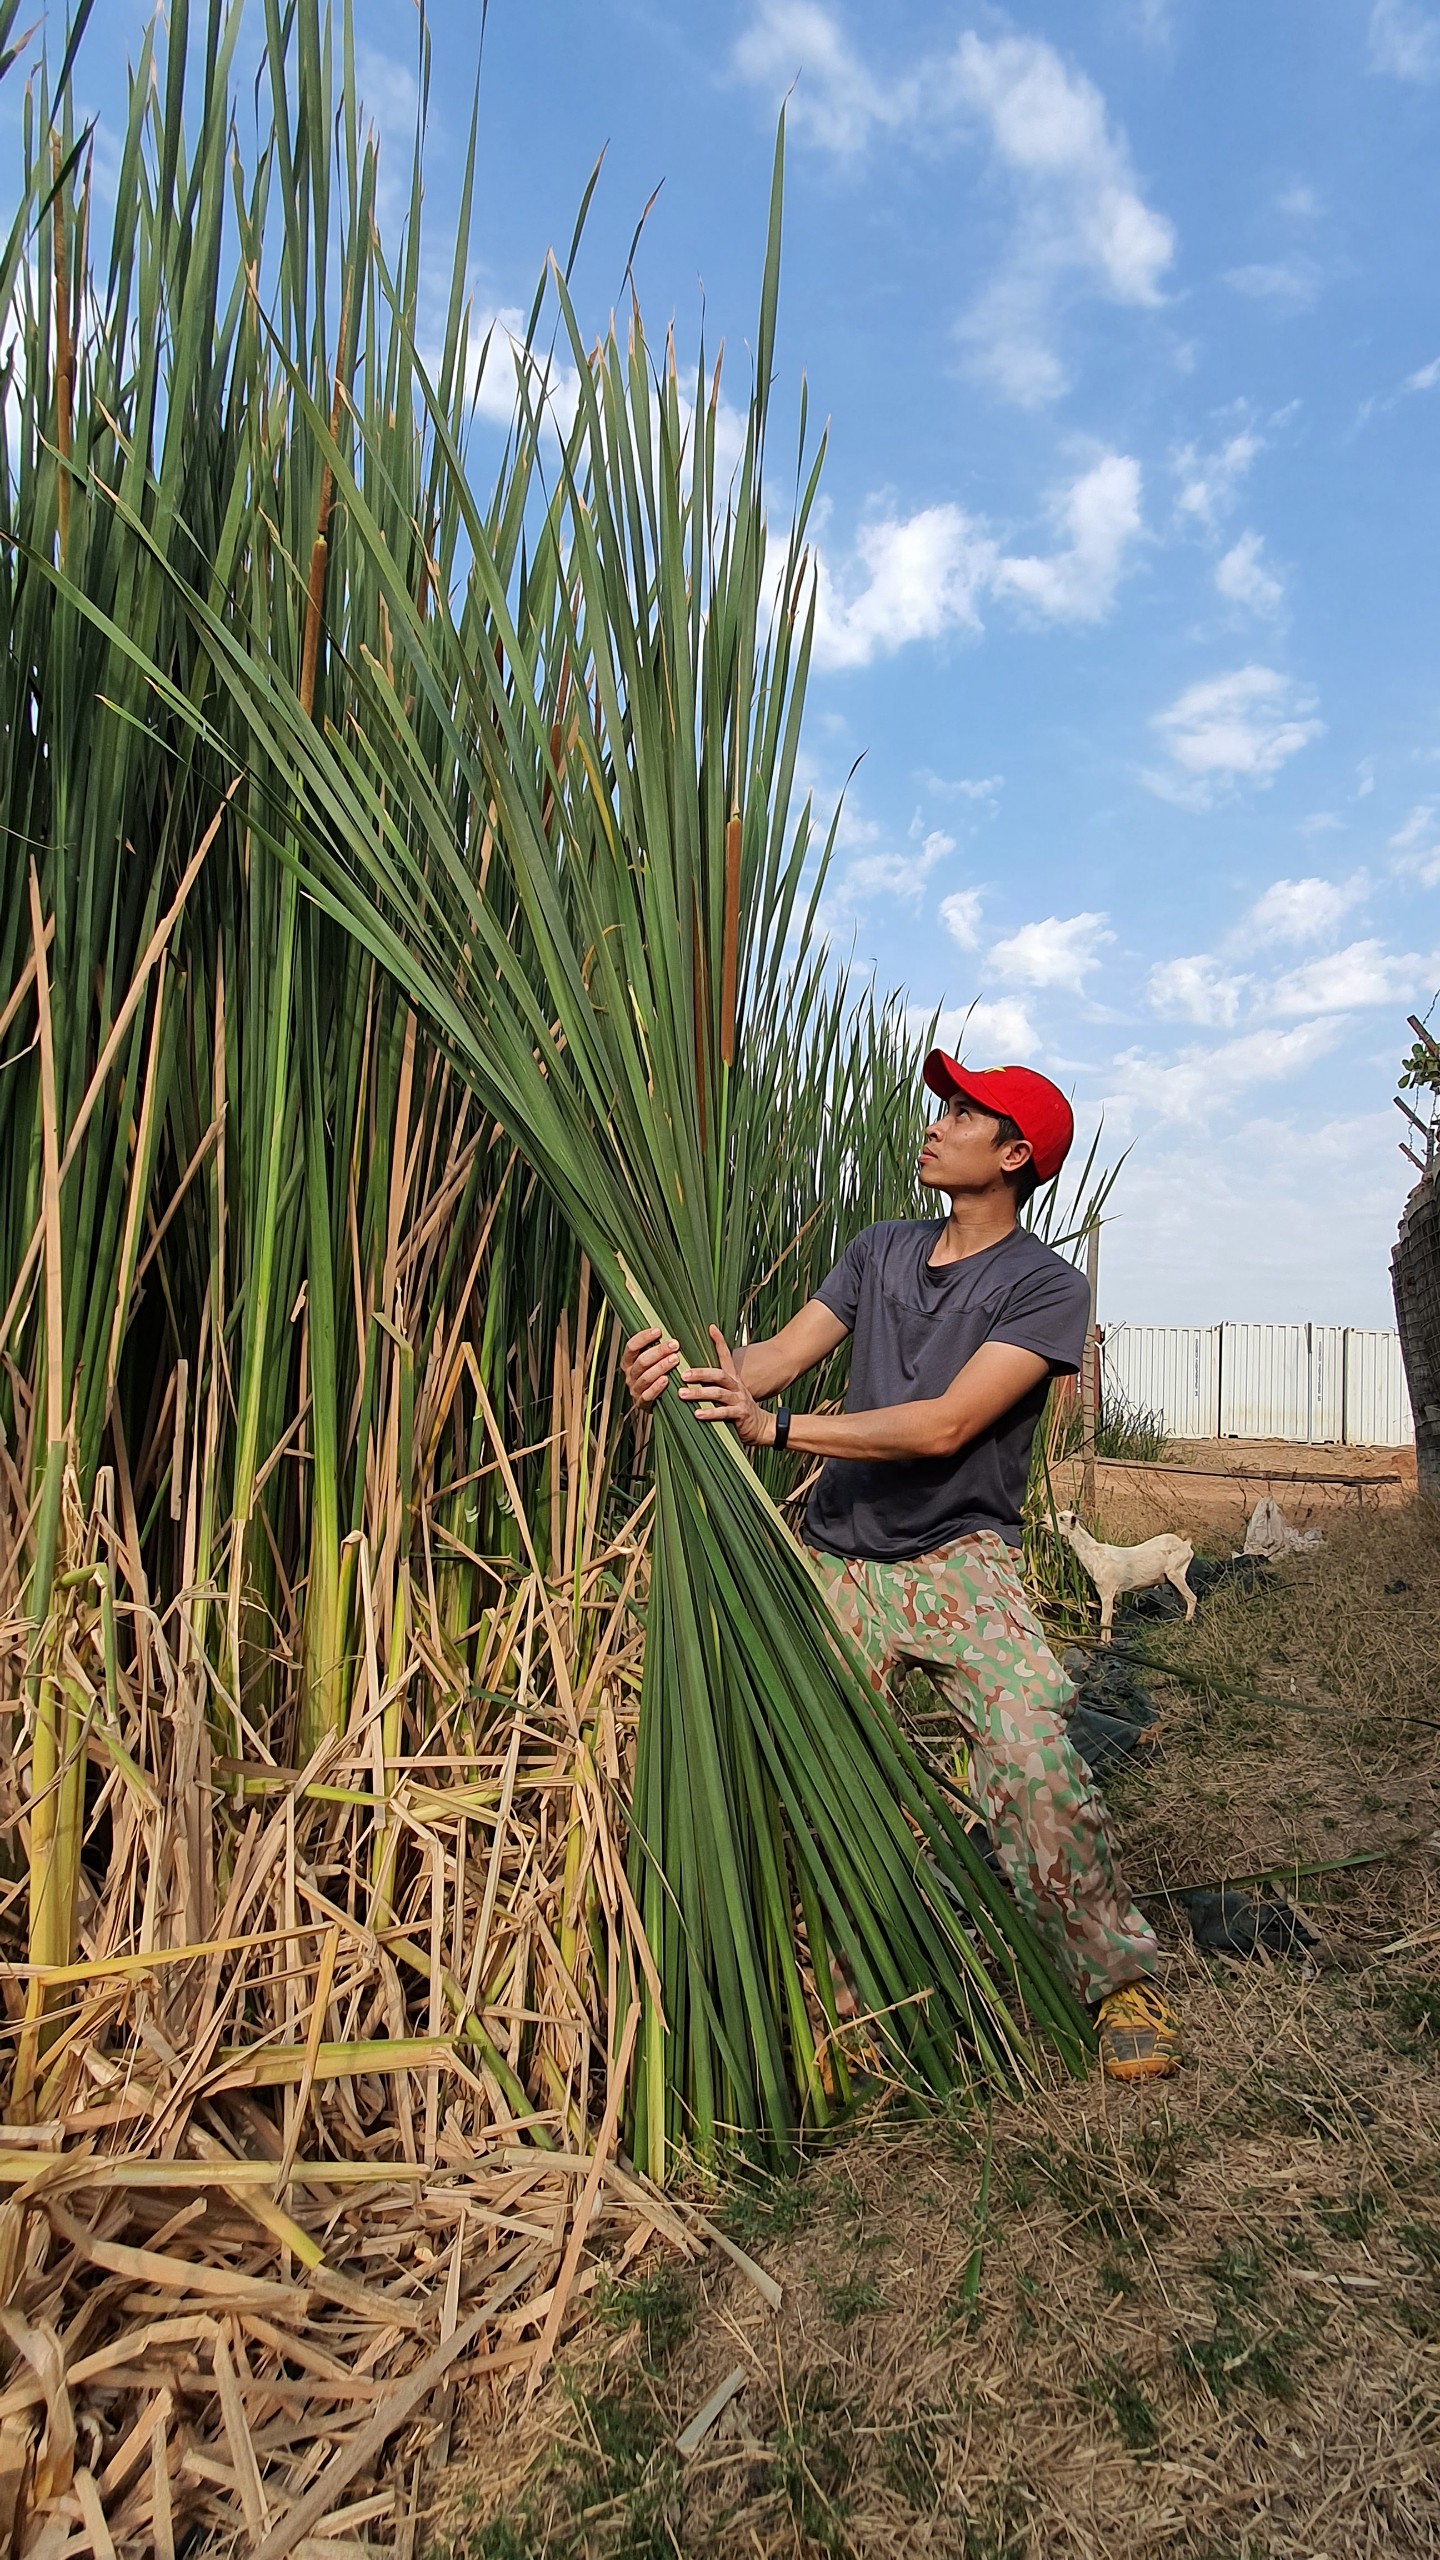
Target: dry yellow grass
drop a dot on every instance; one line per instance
(327, 2121)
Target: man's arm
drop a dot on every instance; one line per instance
(992, 1380)
(809, 1338)
(765, 1367)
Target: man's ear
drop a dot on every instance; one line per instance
(1018, 1154)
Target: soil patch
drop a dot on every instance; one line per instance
(1097, 2324)
(1207, 1489)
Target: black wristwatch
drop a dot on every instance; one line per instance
(782, 1426)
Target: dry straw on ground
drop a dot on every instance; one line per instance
(279, 2187)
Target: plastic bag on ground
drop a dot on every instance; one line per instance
(1271, 1534)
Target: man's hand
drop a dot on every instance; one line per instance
(646, 1362)
(728, 1394)
(721, 1395)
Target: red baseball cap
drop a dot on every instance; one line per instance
(1037, 1107)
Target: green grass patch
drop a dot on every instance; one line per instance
(1117, 2280)
(503, 2538)
(1116, 2201)
(1237, 2274)
(756, 2208)
(1415, 2008)
(661, 2306)
(621, 2501)
(996, 2533)
(1227, 2360)
(1424, 2239)
(909, 2461)
(1334, 2117)
(1245, 2347)
(1351, 2219)
(1117, 2390)
(615, 2493)
(814, 2459)
(848, 2301)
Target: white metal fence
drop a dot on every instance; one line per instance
(1311, 1382)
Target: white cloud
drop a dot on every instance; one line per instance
(1153, 21)
(1101, 514)
(388, 90)
(1197, 989)
(1210, 482)
(919, 577)
(1243, 578)
(1292, 284)
(1416, 847)
(389, 98)
(1424, 378)
(836, 101)
(1238, 1219)
(1345, 981)
(1191, 1087)
(1201, 988)
(1008, 333)
(1059, 951)
(983, 789)
(1419, 824)
(902, 875)
(960, 915)
(1301, 910)
(1230, 729)
(390, 101)
(1051, 124)
(1404, 41)
(886, 870)
(1079, 211)
(1002, 1031)
(1298, 202)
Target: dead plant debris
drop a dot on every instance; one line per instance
(321, 2132)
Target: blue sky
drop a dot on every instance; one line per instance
(1127, 324)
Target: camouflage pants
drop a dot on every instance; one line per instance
(962, 1616)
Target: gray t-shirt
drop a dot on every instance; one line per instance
(914, 1328)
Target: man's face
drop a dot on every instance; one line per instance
(960, 1153)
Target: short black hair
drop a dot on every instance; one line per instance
(1007, 1134)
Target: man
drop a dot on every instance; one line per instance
(958, 1326)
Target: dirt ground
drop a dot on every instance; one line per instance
(1296, 1459)
(1207, 1489)
(1095, 2324)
